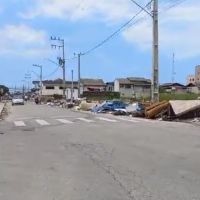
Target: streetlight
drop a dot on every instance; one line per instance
(40, 66)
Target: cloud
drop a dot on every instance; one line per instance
(112, 10)
(178, 27)
(22, 40)
(178, 32)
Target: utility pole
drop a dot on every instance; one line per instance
(40, 66)
(173, 68)
(155, 56)
(155, 71)
(72, 86)
(79, 73)
(28, 78)
(61, 60)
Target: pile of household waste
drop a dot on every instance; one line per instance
(164, 110)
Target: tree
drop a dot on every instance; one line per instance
(3, 90)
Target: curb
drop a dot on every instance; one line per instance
(2, 106)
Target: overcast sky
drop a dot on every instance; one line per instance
(26, 28)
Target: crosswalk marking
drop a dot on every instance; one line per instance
(106, 119)
(42, 122)
(85, 120)
(128, 120)
(19, 123)
(64, 121)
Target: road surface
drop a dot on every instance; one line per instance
(50, 153)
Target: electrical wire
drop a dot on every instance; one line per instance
(52, 73)
(116, 32)
(131, 22)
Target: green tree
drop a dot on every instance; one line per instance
(3, 90)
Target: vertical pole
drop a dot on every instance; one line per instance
(41, 80)
(173, 68)
(79, 75)
(63, 62)
(155, 79)
(72, 87)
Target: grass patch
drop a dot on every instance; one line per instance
(178, 96)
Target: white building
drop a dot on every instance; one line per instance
(191, 79)
(55, 87)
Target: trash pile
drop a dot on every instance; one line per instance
(157, 110)
(109, 106)
(164, 110)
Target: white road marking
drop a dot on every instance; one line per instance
(19, 123)
(85, 120)
(42, 122)
(128, 120)
(106, 119)
(64, 121)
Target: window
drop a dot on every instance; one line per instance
(49, 87)
(128, 86)
(121, 85)
(61, 88)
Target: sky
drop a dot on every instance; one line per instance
(27, 26)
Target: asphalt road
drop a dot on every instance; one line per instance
(55, 154)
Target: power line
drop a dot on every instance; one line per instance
(52, 73)
(116, 32)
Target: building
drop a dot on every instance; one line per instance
(192, 88)
(110, 86)
(133, 87)
(191, 79)
(52, 87)
(92, 85)
(173, 87)
(197, 75)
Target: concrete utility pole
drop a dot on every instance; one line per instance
(40, 66)
(155, 70)
(72, 87)
(61, 60)
(79, 73)
(155, 57)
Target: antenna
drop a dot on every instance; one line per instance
(173, 68)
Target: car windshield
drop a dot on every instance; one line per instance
(18, 97)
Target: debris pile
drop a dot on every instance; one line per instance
(157, 110)
(109, 106)
(181, 109)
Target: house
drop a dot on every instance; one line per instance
(93, 85)
(110, 86)
(173, 87)
(133, 87)
(52, 87)
(192, 88)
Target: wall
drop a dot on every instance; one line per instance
(194, 90)
(135, 92)
(57, 90)
(116, 86)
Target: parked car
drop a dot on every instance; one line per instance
(18, 100)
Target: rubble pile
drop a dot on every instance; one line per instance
(157, 110)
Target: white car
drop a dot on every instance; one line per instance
(17, 100)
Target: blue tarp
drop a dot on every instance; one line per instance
(109, 106)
